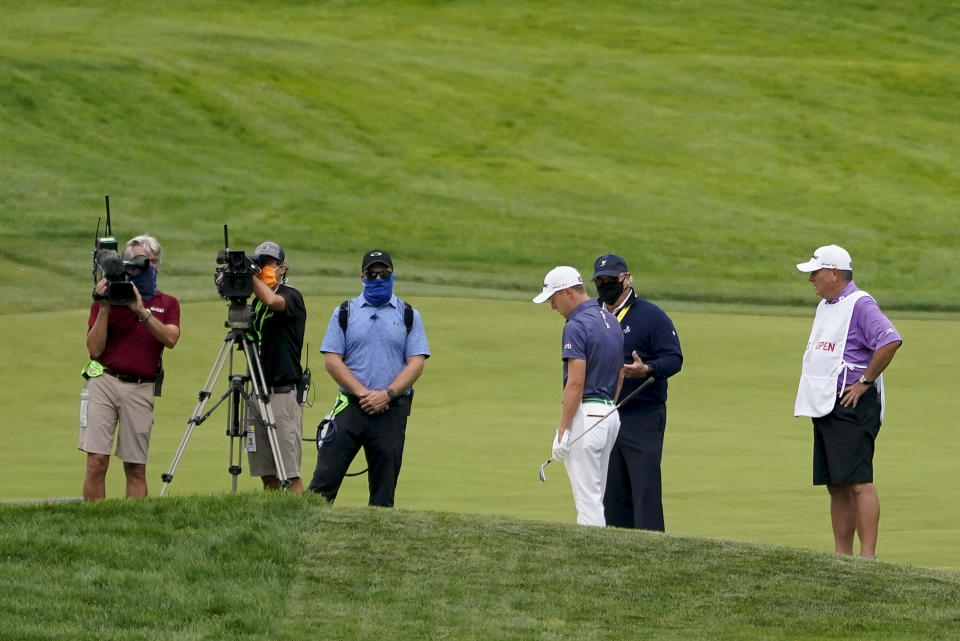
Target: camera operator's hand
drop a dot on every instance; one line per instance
(267, 295)
(100, 293)
(136, 305)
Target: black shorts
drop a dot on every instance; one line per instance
(843, 442)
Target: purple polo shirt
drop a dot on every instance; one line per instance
(593, 334)
(869, 330)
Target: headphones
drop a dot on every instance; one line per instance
(326, 431)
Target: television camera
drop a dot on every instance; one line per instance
(109, 265)
(234, 281)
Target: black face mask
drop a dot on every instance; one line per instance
(610, 292)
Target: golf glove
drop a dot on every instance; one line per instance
(561, 448)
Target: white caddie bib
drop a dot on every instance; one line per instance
(823, 360)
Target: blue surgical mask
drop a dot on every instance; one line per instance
(378, 291)
(146, 282)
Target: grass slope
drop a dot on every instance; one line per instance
(284, 567)
(711, 143)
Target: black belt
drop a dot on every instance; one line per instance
(282, 389)
(127, 378)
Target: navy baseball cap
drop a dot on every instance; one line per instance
(609, 265)
(375, 256)
(268, 248)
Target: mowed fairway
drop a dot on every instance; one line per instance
(736, 464)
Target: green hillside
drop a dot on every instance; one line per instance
(712, 143)
(285, 567)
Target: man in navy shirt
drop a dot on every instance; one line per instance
(650, 348)
(376, 359)
(592, 353)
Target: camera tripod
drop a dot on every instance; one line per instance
(239, 393)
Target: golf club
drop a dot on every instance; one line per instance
(543, 477)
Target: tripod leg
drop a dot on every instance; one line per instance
(236, 448)
(263, 405)
(194, 419)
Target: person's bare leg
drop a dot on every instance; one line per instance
(273, 483)
(868, 517)
(843, 517)
(136, 480)
(94, 478)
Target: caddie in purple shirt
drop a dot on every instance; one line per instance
(841, 388)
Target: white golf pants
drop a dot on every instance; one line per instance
(589, 459)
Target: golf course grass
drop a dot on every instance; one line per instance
(284, 567)
(736, 463)
(713, 144)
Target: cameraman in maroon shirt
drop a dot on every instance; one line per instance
(128, 342)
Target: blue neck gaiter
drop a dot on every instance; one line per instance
(146, 282)
(378, 292)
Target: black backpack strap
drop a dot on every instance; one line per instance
(408, 316)
(344, 315)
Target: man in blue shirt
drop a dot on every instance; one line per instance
(592, 353)
(375, 357)
(650, 348)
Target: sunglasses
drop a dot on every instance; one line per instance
(377, 274)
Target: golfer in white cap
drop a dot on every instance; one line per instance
(592, 353)
(841, 389)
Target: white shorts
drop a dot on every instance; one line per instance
(589, 459)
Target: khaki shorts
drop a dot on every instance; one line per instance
(288, 415)
(111, 403)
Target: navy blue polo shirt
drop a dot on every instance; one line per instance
(648, 330)
(593, 334)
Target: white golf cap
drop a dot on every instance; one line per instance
(558, 278)
(827, 257)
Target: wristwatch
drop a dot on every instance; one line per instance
(863, 379)
(392, 395)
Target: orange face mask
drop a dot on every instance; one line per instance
(269, 276)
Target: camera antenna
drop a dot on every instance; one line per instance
(226, 242)
(107, 229)
(103, 242)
